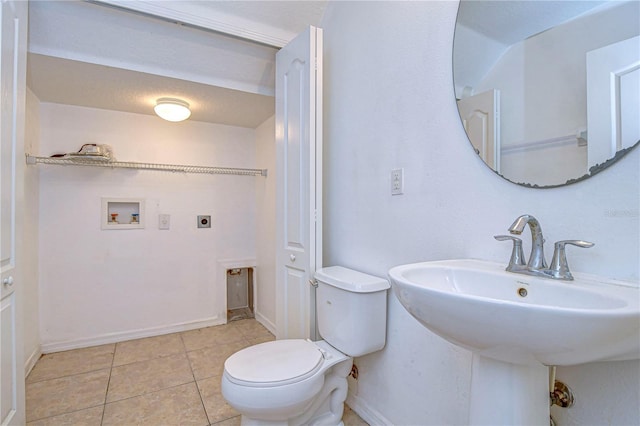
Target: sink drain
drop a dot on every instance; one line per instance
(522, 292)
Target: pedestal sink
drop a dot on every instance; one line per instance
(516, 325)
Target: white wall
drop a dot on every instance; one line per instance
(29, 259)
(266, 225)
(389, 103)
(103, 285)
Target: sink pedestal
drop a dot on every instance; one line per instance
(505, 394)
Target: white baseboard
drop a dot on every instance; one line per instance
(264, 321)
(128, 335)
(31, 361)
(365, 411)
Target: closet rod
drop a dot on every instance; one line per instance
(145, 166)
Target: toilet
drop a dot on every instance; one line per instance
(300, 382)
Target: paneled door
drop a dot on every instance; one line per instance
(12, 86)
(613, 99)
(481, 119)
(299, 182)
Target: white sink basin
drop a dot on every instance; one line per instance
(521, 319)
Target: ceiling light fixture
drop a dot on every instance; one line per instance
(172, 109)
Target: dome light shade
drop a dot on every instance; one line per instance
(172, 109)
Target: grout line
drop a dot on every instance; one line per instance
(155, 357)
(195, 381)
(64, 414)
(225, 419)
(148, 359)
(104, 406)
(67, 376)
(148, 393)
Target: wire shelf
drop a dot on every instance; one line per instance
(145, 166)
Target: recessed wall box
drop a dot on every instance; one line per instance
(204, 221)
(122, 213)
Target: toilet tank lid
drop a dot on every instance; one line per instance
(350, 280)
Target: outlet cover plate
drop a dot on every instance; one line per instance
(397, 181)
(164, 221)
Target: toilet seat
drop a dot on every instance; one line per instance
(275, 363)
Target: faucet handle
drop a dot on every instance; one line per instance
(579, 243)
(517, 255)
(559, 267)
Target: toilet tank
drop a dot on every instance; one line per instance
(352, 310)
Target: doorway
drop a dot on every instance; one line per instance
(239, 294)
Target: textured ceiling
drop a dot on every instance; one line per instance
(85, 54)
(77, 83)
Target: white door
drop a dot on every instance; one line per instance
(613, 99)
(299, 182)
(481, 120)
(12, 87)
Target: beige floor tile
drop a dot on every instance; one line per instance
(261, 339)
(251, 329)
(180, 405)
(148, 376)
(151, 381)
(60, 364)
(209, 362)
(148, 348)
(216, 407)
(88, 417)
(63, 395)
(211, 336)
(233, 421)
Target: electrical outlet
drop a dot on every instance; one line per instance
(397, 181)
(164, 221)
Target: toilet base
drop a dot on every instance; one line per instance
(327, 407)
(245, 421)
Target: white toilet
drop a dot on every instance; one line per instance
(299, 382)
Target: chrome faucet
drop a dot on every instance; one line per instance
(536, 258)
(537, 265)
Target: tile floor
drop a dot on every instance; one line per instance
(165, 380)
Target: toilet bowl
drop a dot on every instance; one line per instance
(282, 382)
(300, 382)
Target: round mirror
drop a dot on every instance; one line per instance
(548, 91)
